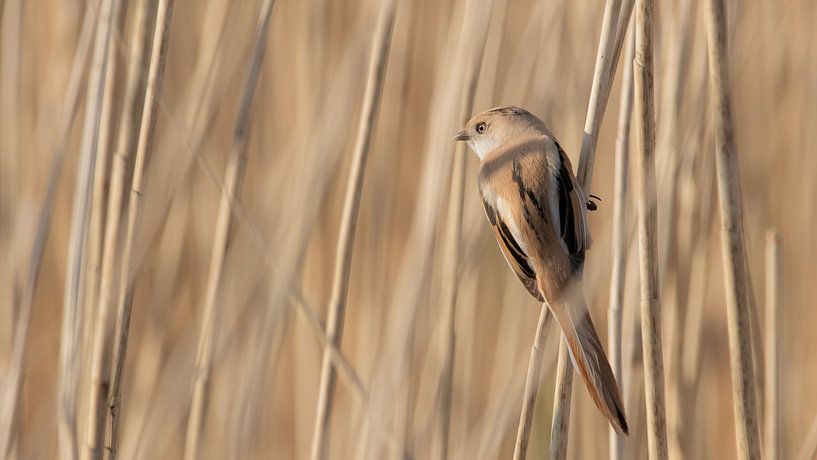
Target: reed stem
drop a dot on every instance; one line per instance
(348, 225)
(619, 263)
(773, 304)
(733, 250)
(234, 176)
(644, 93)
(105, 335)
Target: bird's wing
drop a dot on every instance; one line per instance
(572, 218)
(514, 255)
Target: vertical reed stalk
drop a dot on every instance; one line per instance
(107, 127)
(734, 253)
(453, 267)
(647, 230)
(773, 302)
(560, 423)
(14, 379)
(532, 385)
(614, 25)
(234, 176)
(104, 332)
(351, 207)
(12, 50)
(620, 197)
(72, 317)
(122, 163)
(122, 171)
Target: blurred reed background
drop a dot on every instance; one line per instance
(264, 239)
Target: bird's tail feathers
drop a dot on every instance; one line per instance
(590, 360)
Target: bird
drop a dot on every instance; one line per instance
(537, 210)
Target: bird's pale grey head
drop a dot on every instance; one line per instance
(495, 127)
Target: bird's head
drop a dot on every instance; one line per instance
(495, 127)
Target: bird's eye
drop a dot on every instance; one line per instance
(481, 128)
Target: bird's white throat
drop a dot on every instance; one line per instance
(483, 147)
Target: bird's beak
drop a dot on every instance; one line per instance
(461, 136)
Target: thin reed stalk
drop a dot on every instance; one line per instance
(234, 176)
(122, 166)
(122, 171)
(773, 303)
(647, 231)
(104, 334)
(619, 262)
(532, 385)
(675, 221)
(145, 146)
(699, 279)
(351, 208)
(560, 423)
(606, 59)
(346, 371)
(453, 243)
(99, 199)
(14, 379)
(614, 26)
(72, 314)
(734, 252)
(13, 48)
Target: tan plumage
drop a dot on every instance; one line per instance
(537, 211)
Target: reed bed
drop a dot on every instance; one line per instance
(185, 232)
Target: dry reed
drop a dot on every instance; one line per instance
(614, 26)
(234, 176)
(644, 114)
(734, 253)
(72, 316)
(121, 174)
(105, 335)
(14, 379)
(351, 207)
(453, 254)
(404, 348)
(773, 303)
(620, 239)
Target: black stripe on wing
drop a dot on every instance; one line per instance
(517, 252)
(514, 255)
(569, 221)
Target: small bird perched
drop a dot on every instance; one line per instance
(537, 210)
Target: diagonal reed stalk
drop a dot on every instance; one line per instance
(644, 105)
(345, 370)
(104, 334)
(351, 208)
(614, 25)
(736, 277)
(773, 304)
(619, 263)
(14, 379)
(234, 176)
(452, 259)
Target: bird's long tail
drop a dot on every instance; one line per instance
(589, 358)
